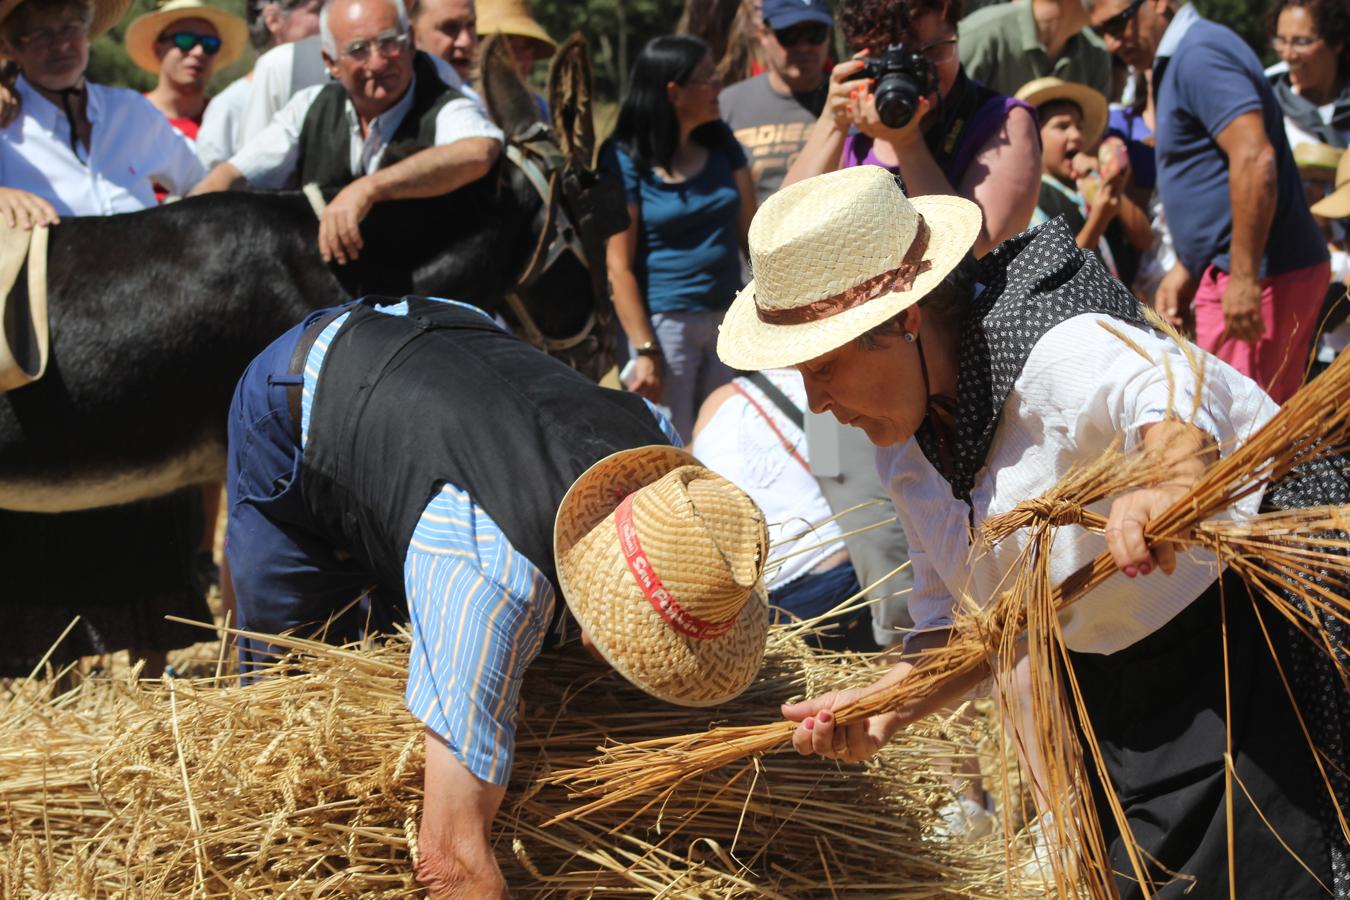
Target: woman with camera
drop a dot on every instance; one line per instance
(690, 199)
(904, 103)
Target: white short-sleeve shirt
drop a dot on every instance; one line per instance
(133, 146)
(1080, 388)
(269, 158)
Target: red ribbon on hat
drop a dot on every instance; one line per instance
(683, 621)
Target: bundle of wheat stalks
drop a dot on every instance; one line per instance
(311, 785)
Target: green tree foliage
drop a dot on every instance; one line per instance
(1246, 17)
(109, 63)
(615, 29)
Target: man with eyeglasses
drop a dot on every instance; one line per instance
(1252, 263)
(1010, 44)
(336, 135)
(772, 113)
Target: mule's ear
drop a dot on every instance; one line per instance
(569, 97)
(509, 102)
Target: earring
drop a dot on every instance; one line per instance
(909, 337)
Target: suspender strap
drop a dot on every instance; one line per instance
(298, 357)
(787, 445)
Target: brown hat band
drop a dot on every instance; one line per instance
(897, 280)
(661, 599)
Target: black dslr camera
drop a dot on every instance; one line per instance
(902, 77)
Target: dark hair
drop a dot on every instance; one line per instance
(1332, 18)
(647, 127)
(876, 24)
(947, 304)
(258, 33)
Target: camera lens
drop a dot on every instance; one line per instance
(897, 99)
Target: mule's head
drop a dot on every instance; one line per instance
(561, 296)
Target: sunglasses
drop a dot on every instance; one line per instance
(1115, 26)
(814, 34)
(186, 40)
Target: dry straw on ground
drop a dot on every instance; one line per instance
(310, 785)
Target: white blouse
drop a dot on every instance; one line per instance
(1080, 388)
(133, 146)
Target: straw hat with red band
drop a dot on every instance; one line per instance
(144, 31)
(660, 561)
(1336, 205)
(834, 256)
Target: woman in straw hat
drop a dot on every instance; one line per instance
(521, 480)
(982, 384)
(78, 148)
(183, 43)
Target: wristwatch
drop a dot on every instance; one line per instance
(651, 348)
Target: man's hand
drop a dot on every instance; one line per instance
(646, 378)
(1174, 295)
(1242, 310)
(20, 209)
(339, 229)
(817, 734)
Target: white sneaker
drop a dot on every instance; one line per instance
(962, 818)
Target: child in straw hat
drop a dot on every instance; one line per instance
(417, 462)
(982, 384)
(184, 42)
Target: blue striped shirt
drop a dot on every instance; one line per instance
(478, 607)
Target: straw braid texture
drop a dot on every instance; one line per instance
(818, 238)
(707, 543)
(106, 14)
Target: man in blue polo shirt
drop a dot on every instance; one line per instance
(1250, 253)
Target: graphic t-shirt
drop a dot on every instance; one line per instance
(772, 127)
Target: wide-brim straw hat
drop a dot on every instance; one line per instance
(1336, 205)
(1089, 100)
(1317, 160)
(145, 30)
(836, 255)
(514, 17)
(106, 15)
(660, 561)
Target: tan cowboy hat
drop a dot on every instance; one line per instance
(1336, 205)
(836, 255)
(106, 14)
(1089, 100)
(514, 17)
(145, 30)
(660, 561)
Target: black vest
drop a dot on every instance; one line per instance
(325, 137)
(444, 395)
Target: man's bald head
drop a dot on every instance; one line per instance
(343, 11)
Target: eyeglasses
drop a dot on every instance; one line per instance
(1299, 44)
(939, 52)
(812, 33)
(186, 40)
(389, 45)
(1115, 26)
(47, 38)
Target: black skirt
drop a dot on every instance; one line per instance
(1158, 712)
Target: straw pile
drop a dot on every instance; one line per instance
(311, 785)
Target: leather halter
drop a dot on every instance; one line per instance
(540, 161)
